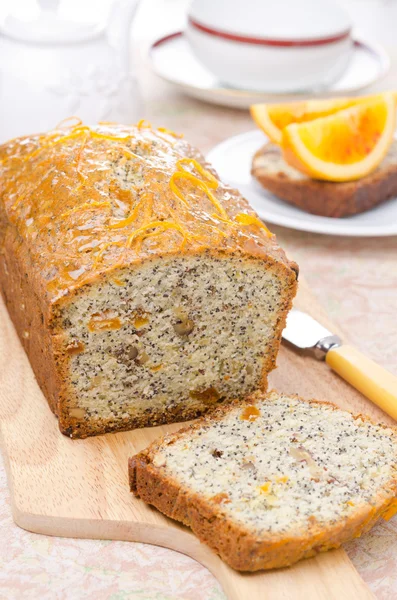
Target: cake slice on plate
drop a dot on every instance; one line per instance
(325, 198)
(332, 158)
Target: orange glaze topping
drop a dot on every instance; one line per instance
(88, 200)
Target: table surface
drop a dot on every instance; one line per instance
(356, 282)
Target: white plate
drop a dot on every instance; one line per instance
(232, 159)
(172, 59)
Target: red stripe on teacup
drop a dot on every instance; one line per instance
(267, 41)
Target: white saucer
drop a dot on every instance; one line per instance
(172, 59)
(232, 159)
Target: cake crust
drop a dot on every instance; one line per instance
(236, 544)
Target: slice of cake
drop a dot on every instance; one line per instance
(143, 289)
(325, 198)
(272, 480)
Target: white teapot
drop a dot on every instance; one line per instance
(57, 65)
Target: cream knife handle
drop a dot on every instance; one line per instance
(366, 376)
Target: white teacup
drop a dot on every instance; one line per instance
(271, 45)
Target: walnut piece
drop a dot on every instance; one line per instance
(184, 328)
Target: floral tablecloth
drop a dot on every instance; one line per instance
(354, 279)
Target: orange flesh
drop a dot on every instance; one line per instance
(300, 112)
(266, 487)
(140, 322)
(347, 140)
(99, 322)
(250, 413)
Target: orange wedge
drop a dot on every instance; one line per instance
(272, 118)
(344, 146)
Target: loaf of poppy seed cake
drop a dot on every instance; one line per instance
(271, 480)
(142, 288)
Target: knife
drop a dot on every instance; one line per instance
(372, 380)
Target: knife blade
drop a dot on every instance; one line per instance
(306, 333)
(372, 380)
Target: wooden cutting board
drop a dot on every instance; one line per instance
(79, 488)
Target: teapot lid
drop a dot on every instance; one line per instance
(271, 20)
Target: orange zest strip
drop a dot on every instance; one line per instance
(127, 221)
(175, 189)
(79, 155)
(223, 220)
(112, 138)
(141, 232)
(200, 184)
(128, 152)
(144, 124)
(69, 122)
(169, 132)
(99, 256)
(244, 219)
(85, 206)
(212, 182)
(76, 132)
(146, 236)
(134, 214)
